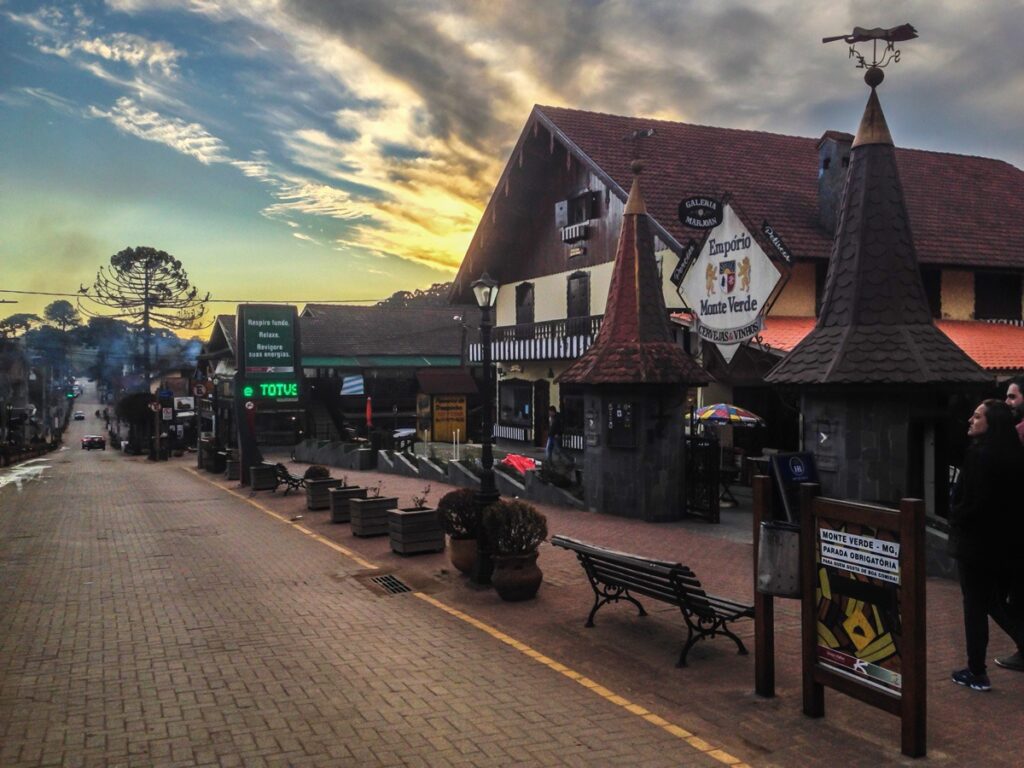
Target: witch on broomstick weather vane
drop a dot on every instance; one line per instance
(889, 54)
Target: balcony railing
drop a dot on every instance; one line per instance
(564, 339)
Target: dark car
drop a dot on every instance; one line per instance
(79, 416)
(94, 441)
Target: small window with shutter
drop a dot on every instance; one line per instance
(578, 297)
(524, 303)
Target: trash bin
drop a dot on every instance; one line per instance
(778, 559)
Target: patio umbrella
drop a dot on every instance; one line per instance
(369, 412)
(726, 413)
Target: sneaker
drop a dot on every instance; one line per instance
(1014, 662)
(971, 680)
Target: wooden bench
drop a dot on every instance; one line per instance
(618, 576)
(286, 478)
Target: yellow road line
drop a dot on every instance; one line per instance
(695, 742)
(294, 524)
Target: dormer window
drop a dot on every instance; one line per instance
(573, 215)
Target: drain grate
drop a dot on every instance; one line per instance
(391, 584)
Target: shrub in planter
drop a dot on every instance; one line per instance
(460, 519)
(514, 530)
(460, 516)
(317, 472)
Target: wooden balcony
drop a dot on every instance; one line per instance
(564, 339)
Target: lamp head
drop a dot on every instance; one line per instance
(486, 291)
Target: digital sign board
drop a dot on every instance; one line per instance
(271, 390)
(266, 341)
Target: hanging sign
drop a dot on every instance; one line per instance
(728, 285)
(700, 212)
(776, 241)
(688, 255)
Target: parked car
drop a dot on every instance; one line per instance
(79, 416)
(94, 441)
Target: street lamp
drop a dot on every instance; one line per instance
(486, 291)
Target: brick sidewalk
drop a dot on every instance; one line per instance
(176, 624)
(713, 696)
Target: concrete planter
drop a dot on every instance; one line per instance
(317, 492)
(263, 478)
(340, 498)
(369, 517)
(415, 530)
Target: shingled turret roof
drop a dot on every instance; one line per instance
(635, 345)
(875, 326)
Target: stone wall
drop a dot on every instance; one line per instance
(645, 481)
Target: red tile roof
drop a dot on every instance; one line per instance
(964, 210)
(993, 346)
(635, 344)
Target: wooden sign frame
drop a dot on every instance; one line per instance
(908, 701)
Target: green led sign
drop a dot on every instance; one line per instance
(271, 390)
(278, 388)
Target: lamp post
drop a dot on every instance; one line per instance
(486, 291)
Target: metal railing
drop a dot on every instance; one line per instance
(564, 339)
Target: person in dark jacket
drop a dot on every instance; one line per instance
(554, 443)
(985, 530)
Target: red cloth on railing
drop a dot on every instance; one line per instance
(520, 463)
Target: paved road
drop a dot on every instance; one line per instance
(151, 619)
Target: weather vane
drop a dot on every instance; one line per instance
(889, 53)
(635, 136)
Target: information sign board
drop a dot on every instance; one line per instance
(267, 341)
(863, 607)
(790, 470)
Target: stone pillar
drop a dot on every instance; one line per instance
(634, 451)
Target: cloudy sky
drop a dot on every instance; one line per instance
(344, 149)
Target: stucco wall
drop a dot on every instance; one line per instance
(957, 294)
(797, 298)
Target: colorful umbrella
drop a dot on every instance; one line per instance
(725, 413)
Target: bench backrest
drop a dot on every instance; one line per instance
(660, 579)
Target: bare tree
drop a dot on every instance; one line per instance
(145, 288)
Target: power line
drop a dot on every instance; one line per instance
(79, 294)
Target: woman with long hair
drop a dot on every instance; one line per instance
(985, 532)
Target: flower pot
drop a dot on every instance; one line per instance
(462, 553)
(317, 492)
(340, 498)
(369, 517)
(516, 577)
(415, 530)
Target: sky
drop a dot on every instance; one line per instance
(313, 150)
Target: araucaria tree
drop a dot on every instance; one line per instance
(145, 287)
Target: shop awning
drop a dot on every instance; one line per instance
(382, 361)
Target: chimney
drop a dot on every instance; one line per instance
(833, 159)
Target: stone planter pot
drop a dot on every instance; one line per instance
(263, 478)
(317, 492)
(462, 553)
(340, 498)
(369, 517)
(414, 530)
(516, 577)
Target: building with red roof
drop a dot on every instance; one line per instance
(549, 232)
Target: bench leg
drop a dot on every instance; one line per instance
(605, 597)
(691, 639)
(741, 648)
